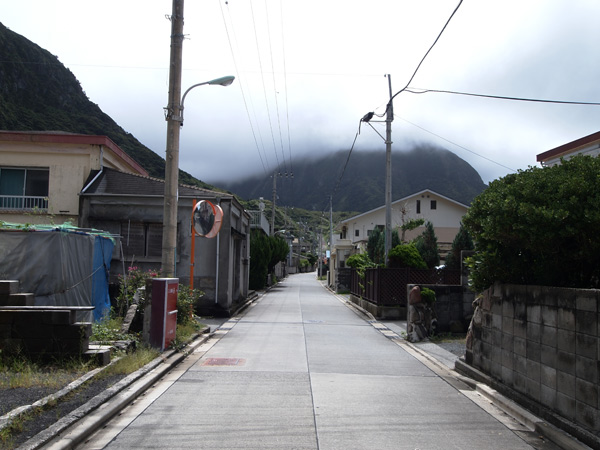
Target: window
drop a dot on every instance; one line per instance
(356, 233)
(141, 240)
(23, 188)
(418, 206)
(433, 204)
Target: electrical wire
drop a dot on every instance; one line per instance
(242, 89)
(339, 180)
(287, 109)
(262, 76)
(455, 144)
(427, 53)
(275, 86)
(499, 97)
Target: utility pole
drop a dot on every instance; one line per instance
(330, 225)
(274, 198)
(173, 118)
(388, 172)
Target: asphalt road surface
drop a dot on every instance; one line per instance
(301, 370)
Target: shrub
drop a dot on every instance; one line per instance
(359, 261)
(538, 226)
(406, 255)
(186, 300)
(428, 296)
(128, 286)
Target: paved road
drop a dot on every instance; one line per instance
(301, 370)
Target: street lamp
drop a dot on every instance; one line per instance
(174, 118)
(223, 81)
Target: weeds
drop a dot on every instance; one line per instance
(131, 361)
(18, 371)
(184, 333)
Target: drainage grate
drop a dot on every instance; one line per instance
(224, 362)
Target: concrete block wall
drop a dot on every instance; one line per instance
(543, 343)
(453, 306)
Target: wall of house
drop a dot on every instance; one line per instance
(542, 343)
(446, 218)
(69, 167)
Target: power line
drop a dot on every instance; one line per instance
(242, 90)
(454, 143)
(287, 109)
(500, 97)
(262, 76)
(428, 51)
(275, 86)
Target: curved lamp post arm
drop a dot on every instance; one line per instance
(223, 81)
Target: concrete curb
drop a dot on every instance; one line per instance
(562, 437)
(100, 409)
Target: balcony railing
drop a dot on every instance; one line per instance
(258, 220)
(23, 202)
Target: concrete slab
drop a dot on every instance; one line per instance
(300, 370)
(402, 412)
(225, 410)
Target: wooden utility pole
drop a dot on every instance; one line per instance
(173, 117)
(388, 172)
(274, 200)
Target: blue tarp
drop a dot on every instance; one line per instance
(61, 265)
(103, 248)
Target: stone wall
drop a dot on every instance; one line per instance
(542, 343)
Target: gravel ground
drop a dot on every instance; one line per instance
(12, 398)
(456, 347)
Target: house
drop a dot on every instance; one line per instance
(131, 206)
(588, 145)
(42, 173)
(444, 213)
(53, 177)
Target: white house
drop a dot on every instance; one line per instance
(588, 145)
(444, 213)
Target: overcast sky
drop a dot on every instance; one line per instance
(307, 71)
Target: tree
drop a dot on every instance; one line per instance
(279, 251)
(427, 246)
(265, 253)
(462, 241)
(376, 245)
(410, 224)
(539, 226)
(260, 256)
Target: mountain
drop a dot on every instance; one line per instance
(362, 183)
(38, 93)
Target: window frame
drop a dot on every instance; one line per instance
(26, 201)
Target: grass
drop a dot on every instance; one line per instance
(131, 361)
(17, 371)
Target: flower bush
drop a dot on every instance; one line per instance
(128, 286)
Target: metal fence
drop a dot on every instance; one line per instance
(387, 287)
(23, 202)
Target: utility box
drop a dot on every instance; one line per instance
(163, 319)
